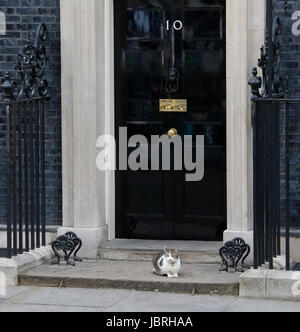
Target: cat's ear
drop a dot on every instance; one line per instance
(166, 250)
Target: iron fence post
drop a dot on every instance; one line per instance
(9, 216)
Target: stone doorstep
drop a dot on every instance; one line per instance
(11, 268)
(147, 256)
(270, 284)
(195, 278)
(144, 250)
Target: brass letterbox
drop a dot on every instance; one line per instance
(173, 105)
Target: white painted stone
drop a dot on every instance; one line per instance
(91, 238)
(294, 246)
(21, 263)
(109, 87)
(279, 263)
(253, 284)
(281, 284)
(87, 113)
(67, 86)
(270, 284)
(245, 35)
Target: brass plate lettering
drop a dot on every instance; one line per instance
(173, 105)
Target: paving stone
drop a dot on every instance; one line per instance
(70, 297)
(34, 299)
(195, 278)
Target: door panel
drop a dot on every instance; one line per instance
(161, 204)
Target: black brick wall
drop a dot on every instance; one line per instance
(22, 17)
(290, 67)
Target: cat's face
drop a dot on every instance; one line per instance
(172, 256)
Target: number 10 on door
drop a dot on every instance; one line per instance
(177, 25)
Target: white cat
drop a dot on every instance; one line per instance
(167, 263)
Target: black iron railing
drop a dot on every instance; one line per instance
(271, 136)
(25, 102)
(25, 145)
(272, 219)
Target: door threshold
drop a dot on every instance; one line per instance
(200, 252)
(136, 244)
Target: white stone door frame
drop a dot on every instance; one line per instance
(246, 21)
(88, 111)
(110, 119)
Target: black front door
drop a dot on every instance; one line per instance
(171, 50)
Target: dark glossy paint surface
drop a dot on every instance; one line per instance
(159, 204)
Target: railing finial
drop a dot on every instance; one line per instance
(31, 65)
(256, 83)
(285, 7)
(8, 87)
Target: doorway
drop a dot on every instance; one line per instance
(171, 50)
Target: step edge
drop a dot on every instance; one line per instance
(152, 251)
(230, 288)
